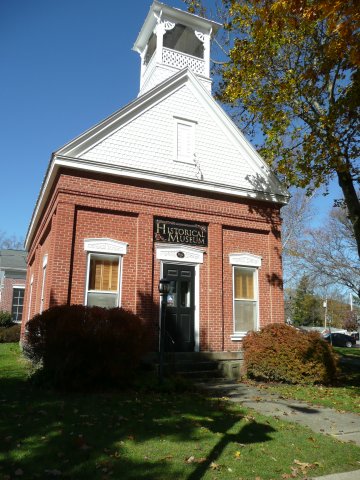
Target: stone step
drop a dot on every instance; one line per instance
(201, 374)
(195, 356)
(198, 365)
(191, 366)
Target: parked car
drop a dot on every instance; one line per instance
(340, 339)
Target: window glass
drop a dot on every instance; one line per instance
(17, 304)
(185, 293)
(244, 283)
(245, 301)
(104, 274)
(103, 281)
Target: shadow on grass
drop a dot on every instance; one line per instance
(127, 435)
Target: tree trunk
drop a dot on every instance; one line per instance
(352, 203)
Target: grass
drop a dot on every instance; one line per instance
(153, 435)
(348, 352)
(344, 396)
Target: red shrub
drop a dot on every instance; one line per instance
(80, 347)
(281, 353)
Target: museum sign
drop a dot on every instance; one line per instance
(172, 231)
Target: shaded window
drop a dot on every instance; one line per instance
(17, 304)
(103, 280)
(245, 299)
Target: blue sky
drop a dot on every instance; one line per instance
(65, 65)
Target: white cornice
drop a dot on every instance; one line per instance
(105, 245)
(170, 253)
(171, 13)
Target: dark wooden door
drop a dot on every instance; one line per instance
(179, 323)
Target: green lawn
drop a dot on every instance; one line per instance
(348, 352)
(138, 435)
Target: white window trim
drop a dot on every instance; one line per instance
(30, 295)
(104, 247)
(19, 287)
(192, 124)
(251, 261)
(170, 252)
(44, 266)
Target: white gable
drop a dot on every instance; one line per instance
(148, 143)
(139, 141)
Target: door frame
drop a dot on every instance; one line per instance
(194, 257)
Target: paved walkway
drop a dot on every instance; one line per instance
(343, 426)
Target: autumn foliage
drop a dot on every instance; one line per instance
(81, 347)
(281, 353)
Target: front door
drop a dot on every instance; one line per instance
(179, 324)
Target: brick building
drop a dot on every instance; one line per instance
(165, 187)
(12, 282)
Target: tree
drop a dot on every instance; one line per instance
(350, 321)
(329, 254)
(292, 78)
(12, 242)
(306, 306)
(296, 216)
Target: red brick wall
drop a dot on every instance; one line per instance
(94, 206)
(7, 293)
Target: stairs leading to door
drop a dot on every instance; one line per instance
(201, 365)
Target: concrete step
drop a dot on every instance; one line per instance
(200, 365)
(195, 356)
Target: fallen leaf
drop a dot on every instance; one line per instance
(214, 466)
(167, 457)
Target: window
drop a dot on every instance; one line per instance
(245, 301)
(245, 293)
(17, 303)
(103, 280)
(185, 141)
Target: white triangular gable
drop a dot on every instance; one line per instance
(139, 141)
(145, 142)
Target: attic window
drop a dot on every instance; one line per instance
(185, 140)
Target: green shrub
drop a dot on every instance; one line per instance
(80, 347)
(280, 353)
(10, 334)
(5, 319)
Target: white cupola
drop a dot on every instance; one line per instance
(171, 40)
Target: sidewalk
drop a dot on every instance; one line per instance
(343, 426)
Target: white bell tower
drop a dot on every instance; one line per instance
(171, 40)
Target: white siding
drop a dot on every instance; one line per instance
(147, 143)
